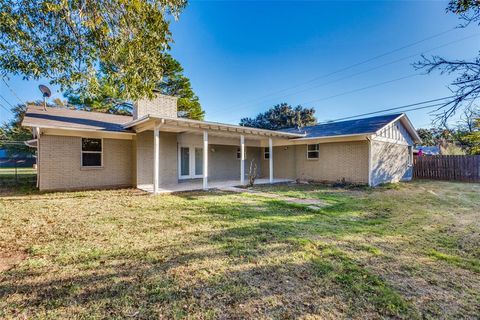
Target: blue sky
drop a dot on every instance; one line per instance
(244, 57)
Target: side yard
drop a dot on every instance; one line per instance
(408, 251)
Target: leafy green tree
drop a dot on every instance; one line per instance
(427, 136)
(106, 98)
(473, 138)
(76, 42)
(174, 83)
(282, 116)
(12, 134)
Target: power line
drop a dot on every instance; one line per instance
(225, 110)
(379, 66)
(361, 89)
(2, 106)
(12, 91)
(6, 101)
(395, 108)
(350, 66)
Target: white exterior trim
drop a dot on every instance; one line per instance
(369, 141)
(191, 161)
(270, 159)
(205, 160)
(82, 152)
(213, 126)
(156, 158)
(394, 141)
(242, 159)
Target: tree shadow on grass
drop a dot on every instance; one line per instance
(125, 287)
(241, 269)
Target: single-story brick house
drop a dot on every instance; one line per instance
(157, 151)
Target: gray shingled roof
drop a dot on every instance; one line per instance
(350, 127)
(35, 116)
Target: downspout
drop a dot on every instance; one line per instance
(36, 131)
(369, 141)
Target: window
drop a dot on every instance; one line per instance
(313, 151)
(91, 152)
(266, 153)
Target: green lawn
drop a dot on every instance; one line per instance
(408, 251)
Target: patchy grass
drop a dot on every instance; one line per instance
(409, 251)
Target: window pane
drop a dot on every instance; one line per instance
(312, 154)
(91, 144)
(198, 161)
(91, 159)
(184, 161)
(312, 147)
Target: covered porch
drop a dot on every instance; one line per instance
(193, 185)
(194, 155)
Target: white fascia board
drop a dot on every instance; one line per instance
(409, 126)
(26, 124)
(214, 126)
(332, 137)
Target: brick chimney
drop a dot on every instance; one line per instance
(161, 105)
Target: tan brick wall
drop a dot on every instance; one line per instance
(341, 160)
(60, 164)
(283, 163)
(389, 162)
(168, 158)
(224, 165)
(161, 105)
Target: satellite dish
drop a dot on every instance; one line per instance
(45, 91)
(46, 94)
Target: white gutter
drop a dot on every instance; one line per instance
(337, 136)
(26, 124)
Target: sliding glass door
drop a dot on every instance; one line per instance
(190, 162)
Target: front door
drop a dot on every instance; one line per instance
(190, 163)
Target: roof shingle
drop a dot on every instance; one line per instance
(350, 127)
(35, 116)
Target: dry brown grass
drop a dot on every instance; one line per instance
(407, 252)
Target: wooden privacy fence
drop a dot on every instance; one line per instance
(459, 168)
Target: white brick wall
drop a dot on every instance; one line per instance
(161, 105)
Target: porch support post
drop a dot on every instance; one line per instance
(156, 155)
(270, 158)
(205, 160)
(242, 159)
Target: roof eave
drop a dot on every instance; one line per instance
(149, 117)
(33, 125)
(409, 125)
(336, 136)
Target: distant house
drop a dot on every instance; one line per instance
(157, 151)
(20, 159)
(427, 150)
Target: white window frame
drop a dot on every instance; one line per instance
(266, 151)
(317, 151)
(239, 153)
(82, 152)
(191, 173)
